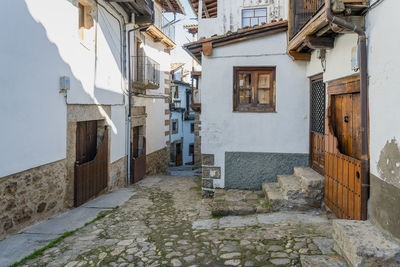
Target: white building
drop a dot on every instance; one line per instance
(182, 117)
(64, 105)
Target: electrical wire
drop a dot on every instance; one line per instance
(375, 4)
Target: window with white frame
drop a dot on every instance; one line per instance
(254, 16)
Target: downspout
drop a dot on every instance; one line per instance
(362, 47)
(128, 171)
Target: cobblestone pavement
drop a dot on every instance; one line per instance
(166, 223)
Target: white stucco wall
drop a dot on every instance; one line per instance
(338, 60)
(42, 45)
(230, 15)
(285, 131)
(384, 79)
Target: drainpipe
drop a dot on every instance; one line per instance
(362, 47)
(128, 171)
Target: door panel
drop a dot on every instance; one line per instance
(317, 125)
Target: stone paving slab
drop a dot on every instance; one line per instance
(322, 260)
(167, 223)
(30, 239)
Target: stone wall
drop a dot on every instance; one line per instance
(31, 196)
(197, 140)
(158, 162)
(209, 172)
(117, 174)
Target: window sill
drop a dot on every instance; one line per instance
(255, 111)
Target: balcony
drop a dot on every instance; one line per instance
(145, 73)
(164, 25)
(303, 12)
(310, 29)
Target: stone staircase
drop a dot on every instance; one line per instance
(301, 191)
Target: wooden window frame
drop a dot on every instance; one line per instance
(253, 106)
(81, 20)
(254, 16)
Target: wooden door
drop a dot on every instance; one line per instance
(91, 167)
(317, 124)
(86, 141)
(344, 193)
(138, 156)
(178, 154)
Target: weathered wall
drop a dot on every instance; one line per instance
(32, 195)
(384, 110)
(285, 131)
(117, 174)
(197, 140)
(338, 60)
(230, 15)
(158, 162)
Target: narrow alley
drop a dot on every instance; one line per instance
(167, 223)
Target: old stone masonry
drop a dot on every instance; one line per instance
(167, 223)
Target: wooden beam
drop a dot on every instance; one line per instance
(300, 56)
(207, 49)
(205, 9)
(314, 42)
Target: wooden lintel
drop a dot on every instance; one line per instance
(300, 56)
(314, 42)
(207, 49)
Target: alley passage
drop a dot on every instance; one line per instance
(166, 223)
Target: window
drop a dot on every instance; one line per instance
(191, 149)
(192, 127)
(81, 20)
(254, 16)
(254, 89)
(174, 126)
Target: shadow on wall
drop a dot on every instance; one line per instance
(389, 163)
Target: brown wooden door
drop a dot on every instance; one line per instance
(178, 154)
(86, 141)
(346, 121)
(91, 167)
(138, 156)
(317, 124)
(343, 180)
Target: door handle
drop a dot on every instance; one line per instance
(346, 119)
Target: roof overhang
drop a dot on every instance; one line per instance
(206, 45)
(210, 8)
(137, 7)
(174, 6)
(158, 35)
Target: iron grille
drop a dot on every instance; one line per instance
(302, 12)
(318, 106)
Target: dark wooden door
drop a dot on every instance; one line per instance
(317, 124)
(178, 154)
(138, 156)
(86, 141)
(91, 167)
(344, 193)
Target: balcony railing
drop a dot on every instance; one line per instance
(164, 25)
(302, 11)
(145, 73)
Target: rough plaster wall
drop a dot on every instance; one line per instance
(118, 133)
(230, 15)
(285, 131)
(338, 60)
(384, 93)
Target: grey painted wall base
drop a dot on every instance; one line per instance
(384, 210)
(249, 170)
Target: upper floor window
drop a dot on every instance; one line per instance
(254, 89)
(254, 16)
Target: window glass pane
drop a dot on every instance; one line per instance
(260, 12)
(262, 20)
(247, 13)
(246, 22)
(264, 96)
(264, 81)
(254, 22)
(244, 88)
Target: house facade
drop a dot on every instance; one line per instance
(65, 104)
(334, 105)
(182, 117)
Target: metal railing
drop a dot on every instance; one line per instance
(302, 12)
(145, 71)
(165, 25)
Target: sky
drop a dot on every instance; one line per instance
(182, 36)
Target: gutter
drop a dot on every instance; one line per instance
(362, 47)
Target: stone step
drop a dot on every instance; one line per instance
(362, 244)
(291, 186)
(274, 196)
(309, 179)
